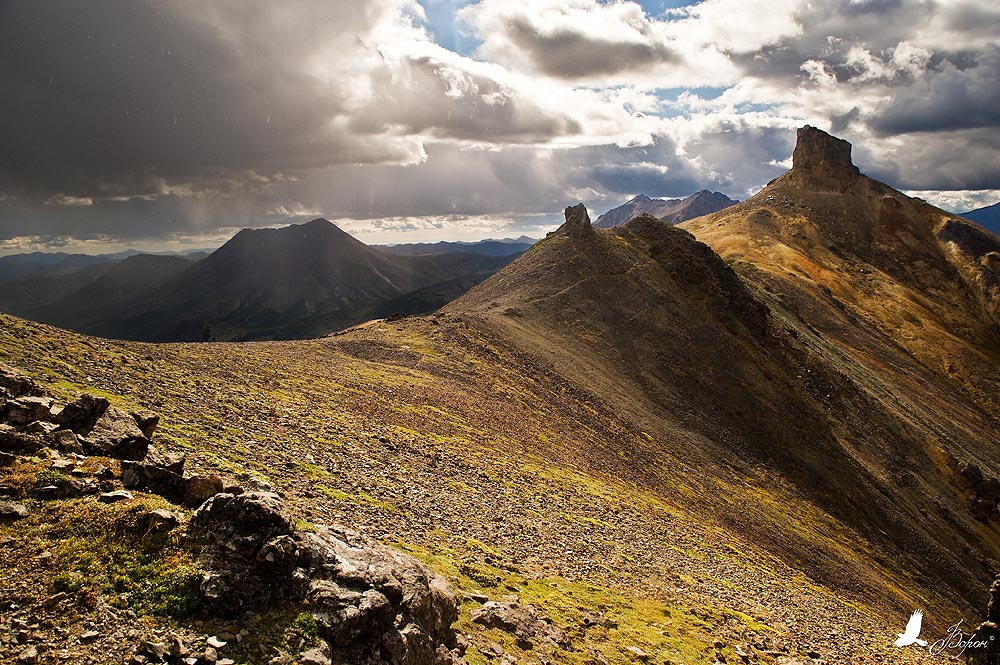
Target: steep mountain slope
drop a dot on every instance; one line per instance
(489, 247)
(861, 255)
(672, 211)
(854, 356)
(272, 283)
(987, 217)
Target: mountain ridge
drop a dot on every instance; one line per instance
(672, 211)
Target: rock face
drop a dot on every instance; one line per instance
(989, 632)
(116, 434)
(16, 384)
(81, 415)
(577, 222)
(373, 604)
(524, 622)
(823, 158)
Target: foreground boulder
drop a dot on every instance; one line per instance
(116, 434)
(372, 603)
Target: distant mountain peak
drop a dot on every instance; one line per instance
(672, 211)
(820, 154)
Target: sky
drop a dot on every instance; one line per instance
(171, 124)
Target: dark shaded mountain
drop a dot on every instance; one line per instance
(21, 295)
(987, 217)
(672, 211)
(300, 281)
(116, 287)
(819, 362)
(488, 247)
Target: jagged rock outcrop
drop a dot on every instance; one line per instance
(823, 159)
(372, 604)
(577, 223)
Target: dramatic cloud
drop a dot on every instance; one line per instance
(172, 121)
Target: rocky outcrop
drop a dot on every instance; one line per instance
(823, 159)
(30, 419)
(528, 626)
(372, 604)
(13, 383)
(577, 223)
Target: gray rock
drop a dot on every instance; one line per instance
(12, 511)
(17, 442)
(81, 415)
(40, 427)
(524, 622)
(157, 521)
(638, 653)
(116, 496)
(155, 479)
(65, 441)
(367, 598)
(63, 465)
(146, 421)
(577, 223)
(115, 434)
(199, 489)
(171, 462)
(314, 657)
(154, 651)
(22, 411)
(68, 488)
(29, 656)
(17, 384)
(6, 459)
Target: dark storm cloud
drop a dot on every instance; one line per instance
(569, 54)
(961, 160)
(110, 97)
(945, 99)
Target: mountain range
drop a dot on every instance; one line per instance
(300, 281)
(489, 247)
(987, 217)
(672, 211)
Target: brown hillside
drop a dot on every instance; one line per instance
(844, 388)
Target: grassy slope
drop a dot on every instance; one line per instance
(503, 476)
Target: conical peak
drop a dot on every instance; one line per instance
(819, 153)
(577, 222)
